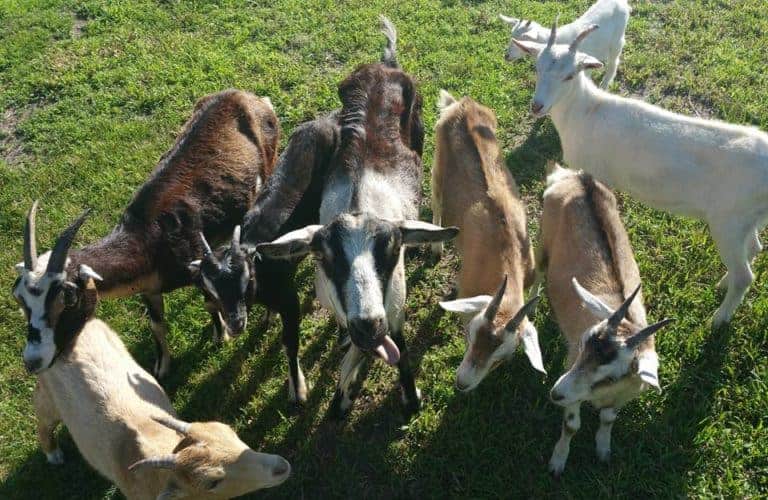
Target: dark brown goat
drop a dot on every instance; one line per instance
(204, 184)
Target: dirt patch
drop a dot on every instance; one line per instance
(78, 25)
(11, 144)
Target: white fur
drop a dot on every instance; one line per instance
(706, 169)
(605, 45)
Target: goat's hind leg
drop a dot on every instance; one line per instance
(735, 246)
(47, 420)
(754, 247)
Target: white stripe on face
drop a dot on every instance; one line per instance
(32, 291)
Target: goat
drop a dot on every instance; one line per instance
(706, 169)
(118, 415)
(473, 190)
(611, 15)
(611, 351)
(236, 277)
(205, 183)
(368, 214)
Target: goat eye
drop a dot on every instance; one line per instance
(213, 484)
(568, 78)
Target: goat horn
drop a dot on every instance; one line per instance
(159, 462)
(615, 320)
(61, 249)
(553, 33)
(493, 307)
(527, 310)
(646, 332)
(206, 247)
(172, 423)
(236, 239)
(30, 240)
(586, 31)
(527, 23)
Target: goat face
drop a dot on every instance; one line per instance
(360, 274)
(228, 277)
(212, 462)
(55, 303)
(557, 67)
(487, 345)
(609, 367)
(522, 30)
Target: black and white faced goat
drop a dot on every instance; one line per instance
(235, 277)
(367, 216)
(611, 350)
(117, 414)
(205, 183)
(714, 171)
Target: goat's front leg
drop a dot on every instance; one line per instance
(47, 420)
(289, 314)
(156, 309)
(603, 435)
(350, 368)
(571, 425)
(411, 395)
(219, 329)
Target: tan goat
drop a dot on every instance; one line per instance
(119, 416)
(472, 189)
(610, 347)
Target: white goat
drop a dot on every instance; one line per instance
(118, 415)
(610, 15)
(706, 169)
(611, 354)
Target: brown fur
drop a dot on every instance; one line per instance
(582, 236)
(473, 189)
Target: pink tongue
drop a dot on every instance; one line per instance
(388, 351)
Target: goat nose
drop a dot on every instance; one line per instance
(32, 365)
(282, 468)
(536, 107)
(555, 396)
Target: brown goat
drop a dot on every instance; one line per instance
(472, 189)
(610, 347)
(204, 184)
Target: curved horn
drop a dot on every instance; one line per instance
(615, 320)
(172, 423)
(493, 307)
(586, 31)
(553, 33)
(63, 243)
(206, 247)
(30, 239)
(646, 332)
(159, 462)
(527, 310)
(236, 239)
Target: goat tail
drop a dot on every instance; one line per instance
(389, 58)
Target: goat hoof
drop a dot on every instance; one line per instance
(412, 405)
(340, 406)
(56, 457)
(556, 467)
(604, 455)
(720, 320)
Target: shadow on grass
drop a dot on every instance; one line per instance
(528, 161)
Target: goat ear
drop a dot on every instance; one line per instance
(595, 305)
(469, 305)
(444, 100)
(87, 272)
(530, 338)
(648, 370)
(531, 48)
(588, 62)
(266, 100)
(416, 232)
(509, 20)
(290, 245)
(194, 266)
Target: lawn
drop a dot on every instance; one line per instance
(93, 92)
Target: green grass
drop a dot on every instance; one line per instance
(88, 111)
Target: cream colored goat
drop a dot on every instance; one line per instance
(472, 189)
(611, 351)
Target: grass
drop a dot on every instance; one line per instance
(93, 92)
